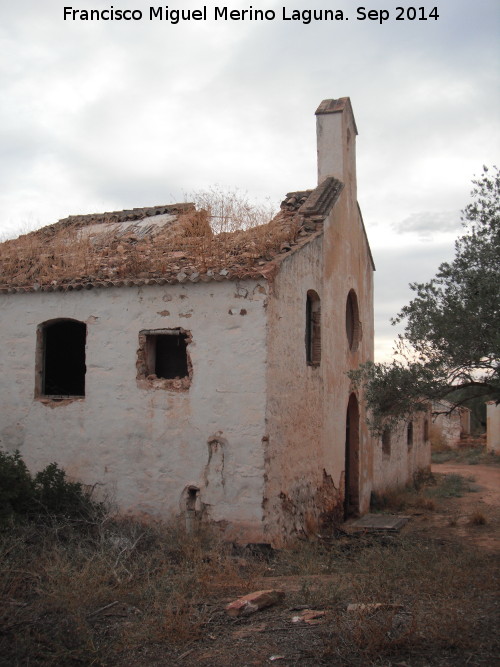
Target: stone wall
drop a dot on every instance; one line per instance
(294, 448)
(307, 405)
(448, 427)
(151, 449)
(401, 453)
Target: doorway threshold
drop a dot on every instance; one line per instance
(391, 523)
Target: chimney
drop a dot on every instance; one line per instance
(336, 137)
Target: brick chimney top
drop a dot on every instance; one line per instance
(336, 106)
(336, 136)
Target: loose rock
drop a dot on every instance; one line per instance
(249, 604)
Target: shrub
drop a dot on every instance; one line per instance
(46, 495)
(16, 486)
(477, 518)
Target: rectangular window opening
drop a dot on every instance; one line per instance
(313, 329)
(163, 359)
(170, 355)
(61, 359)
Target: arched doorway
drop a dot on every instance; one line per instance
(351, 491)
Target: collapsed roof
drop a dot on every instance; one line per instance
(158, 245)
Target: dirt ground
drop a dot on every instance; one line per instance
(483, 498)
(426, 596)
(271, 637)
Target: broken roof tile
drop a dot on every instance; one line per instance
(159, 245)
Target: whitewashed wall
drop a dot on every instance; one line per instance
(145, 446)
(493, 428)
(447, 428)
(397, 468)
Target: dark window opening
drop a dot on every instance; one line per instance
(313, 328)
(386, 441)
(352, 323)
(166, 354)
(409, 434)
(191, 498)
(193, 512)
(426, 430)
(163, 360)
(170, 356)
(63, 358)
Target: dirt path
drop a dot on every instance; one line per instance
(487, 478)
(461, 517)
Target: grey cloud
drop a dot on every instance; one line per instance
(428, 223)
(396, 269)
(113, 116)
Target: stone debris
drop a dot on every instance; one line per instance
(249, 604)
(309, 616)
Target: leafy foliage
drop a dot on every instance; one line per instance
(452, 327)
(16, 486)
(46, 495)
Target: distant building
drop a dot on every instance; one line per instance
(200, 374)
(493, 427)
(449, 425)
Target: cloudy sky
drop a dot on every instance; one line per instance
(107, 115)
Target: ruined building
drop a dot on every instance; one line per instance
(192, 373)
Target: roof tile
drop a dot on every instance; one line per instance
(159, 244)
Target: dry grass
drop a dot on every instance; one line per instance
(127, 584)
(135, 594)
(477, 519)
(435, 596)
(470, 455)
(423, 493)
(227, 232)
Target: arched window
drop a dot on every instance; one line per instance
(409, 434)
(313, 328)
(386, 441)
(61, 359)
(352, 323)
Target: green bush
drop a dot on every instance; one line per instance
(16, 486)
(47, 495)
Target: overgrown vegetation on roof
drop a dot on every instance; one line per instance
(225, 235)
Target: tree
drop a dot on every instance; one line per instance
(451, 339)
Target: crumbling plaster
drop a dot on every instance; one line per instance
(307, 406)
(448, 426)
(147, 445)
(255, 438)
(294, 450)
(397, 468)
(347, 266)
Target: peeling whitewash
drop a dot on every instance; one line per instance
(407, 451)
(449, 426)
(261, 435)
(146, 446)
